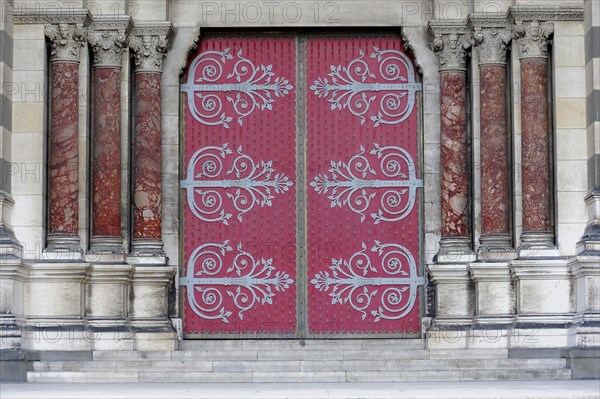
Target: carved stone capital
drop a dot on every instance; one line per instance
(108, 38)
(149, 43)
(451, 43)
(492, 36)
(533, 38)
(65, 41)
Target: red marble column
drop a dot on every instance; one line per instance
(106, 170)
(108, 41)
(147, 167)
(492, 38)
(149, 45)
(535, 135)
(451, 42)
(63, 142)
(454, 156)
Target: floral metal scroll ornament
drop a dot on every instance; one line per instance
(247, 87)
(392, 287)
(356, 87)
(247, 183)
(354, 183)
(247, 281)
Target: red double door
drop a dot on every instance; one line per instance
(301, 188)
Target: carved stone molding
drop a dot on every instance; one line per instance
(51, 16)
(492, 36)
(533, 38)
(149, 42)
(65, 41)
(451, 43)
(108, 38)
(536, 13)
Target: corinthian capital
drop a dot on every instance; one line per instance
(108, 38)
(451, 42)
(65, 41)
(533, 38)
(149, 43)
(492, 36)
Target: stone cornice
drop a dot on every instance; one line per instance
(52, 17)
(535, 13)
(149, 42)
(492, 36)
(65, 41)
(451, 43)
(108, 38)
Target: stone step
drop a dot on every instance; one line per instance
(297, 376)
(298, 365)
(296, 344)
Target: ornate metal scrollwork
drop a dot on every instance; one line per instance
(247, 87)
(252, 183)
(355, 87)
(350, 186)
(247, 282)
(355, 281)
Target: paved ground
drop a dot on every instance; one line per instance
(484, 390)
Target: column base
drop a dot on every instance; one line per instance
(496, 248)
(147, 252)
(63, 243)
(455, 250)
(538, 245)
(105, 249)
(590, 242)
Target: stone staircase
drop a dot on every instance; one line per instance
(381, 360)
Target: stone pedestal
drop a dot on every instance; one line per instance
(148, 307)
(54, 307)
(494, 292)
(454, 304)
(586, 271)
(545, 303)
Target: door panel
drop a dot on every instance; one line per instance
(301, 204)
(362, 152)
(239, 273)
